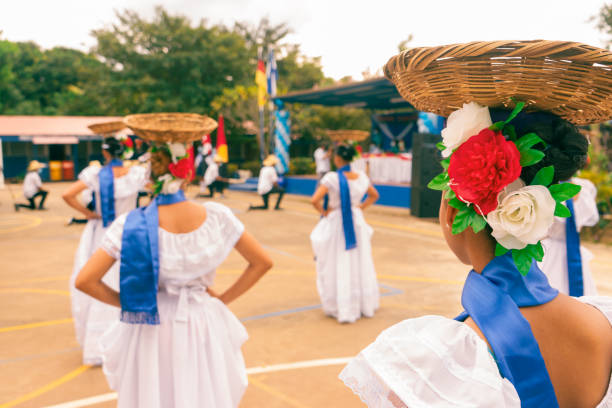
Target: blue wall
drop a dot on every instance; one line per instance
(390, 195)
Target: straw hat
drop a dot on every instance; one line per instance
(35, 165)
(95, 163)
(568, 79)
(218, 159)
(107, 128)
(271, 160)
(170, 127)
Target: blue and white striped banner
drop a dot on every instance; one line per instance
(282, 139)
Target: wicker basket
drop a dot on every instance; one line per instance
(568, 79)
(346, 134)
(170, 127)
(107, 128)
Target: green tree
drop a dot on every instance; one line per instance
(168, 64)
(604, 22)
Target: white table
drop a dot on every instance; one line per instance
(386, 167)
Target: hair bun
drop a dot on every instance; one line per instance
(113, 146)
(346, 152)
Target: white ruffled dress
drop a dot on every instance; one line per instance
(91, 317)
(193, 357)
(436, 362)
(554, 264)
(346, 280)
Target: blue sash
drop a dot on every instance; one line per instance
(574, 258)
(492, 299)
(139, 271)
(347, 212)
(107, 191)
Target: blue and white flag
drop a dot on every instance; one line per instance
(282, 139)
(271, 74)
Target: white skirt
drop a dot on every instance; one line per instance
(346, 280)
(91, 317)
(554, 265)
(191, 359)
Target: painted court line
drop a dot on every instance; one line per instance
(250, 371)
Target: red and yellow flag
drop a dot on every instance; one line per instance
(262, 83)
(221, 142)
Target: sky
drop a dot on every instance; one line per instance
(350, 36)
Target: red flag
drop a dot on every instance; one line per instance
(221, 142)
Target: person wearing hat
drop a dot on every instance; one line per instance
(114, 191)
(215, 177)
(510, 141)
(268, 183)
(32, 187)
(177, 344)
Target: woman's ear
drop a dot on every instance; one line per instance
(451, 212)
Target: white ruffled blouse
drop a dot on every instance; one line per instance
(190, 256)
(436, 362)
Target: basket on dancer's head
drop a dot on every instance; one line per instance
(347, 135)
(170, 127)
(568, 79)
(107, 128)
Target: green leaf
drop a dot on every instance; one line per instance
(497, 126)
(477, 222)
(445, 163)
(450, 194)
(510, 132)
(440, 182)
(519, 107)
(500, 249)
(440, 146)
(535, 251)
(561, 210)
(456, 203)
(461, 221)
(528, 141)
(564, 191)
(544, 176)
(522, 260)
(530, 157)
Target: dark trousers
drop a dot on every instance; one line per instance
(32, 205)
(218, 186)
(266, 198)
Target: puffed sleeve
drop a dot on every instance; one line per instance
(231, 227)
(431, 362)
(330, 180)
(585, 205)
(89, 176)
(112, 238)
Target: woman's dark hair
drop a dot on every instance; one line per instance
(346, 152)
(112, 146)
(566, 148)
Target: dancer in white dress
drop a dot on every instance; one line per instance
(519, 343)
(92, 318)
(346, 278)
(177, 344)
(555, 262)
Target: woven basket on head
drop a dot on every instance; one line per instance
(170, 127)
(107, 128)
(568, 79)
(347, 134)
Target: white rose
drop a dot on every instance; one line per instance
(177, 150)
(463, 124)
(524, 215)
(172, 187)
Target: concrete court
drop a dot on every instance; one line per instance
(40, 362)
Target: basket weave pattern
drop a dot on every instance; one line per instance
(346, 134)
(170, 127)
(568, 79)
(107, 128)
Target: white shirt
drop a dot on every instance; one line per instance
(211, 173)
(267, 178)
(321, 160)
(31, 184)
